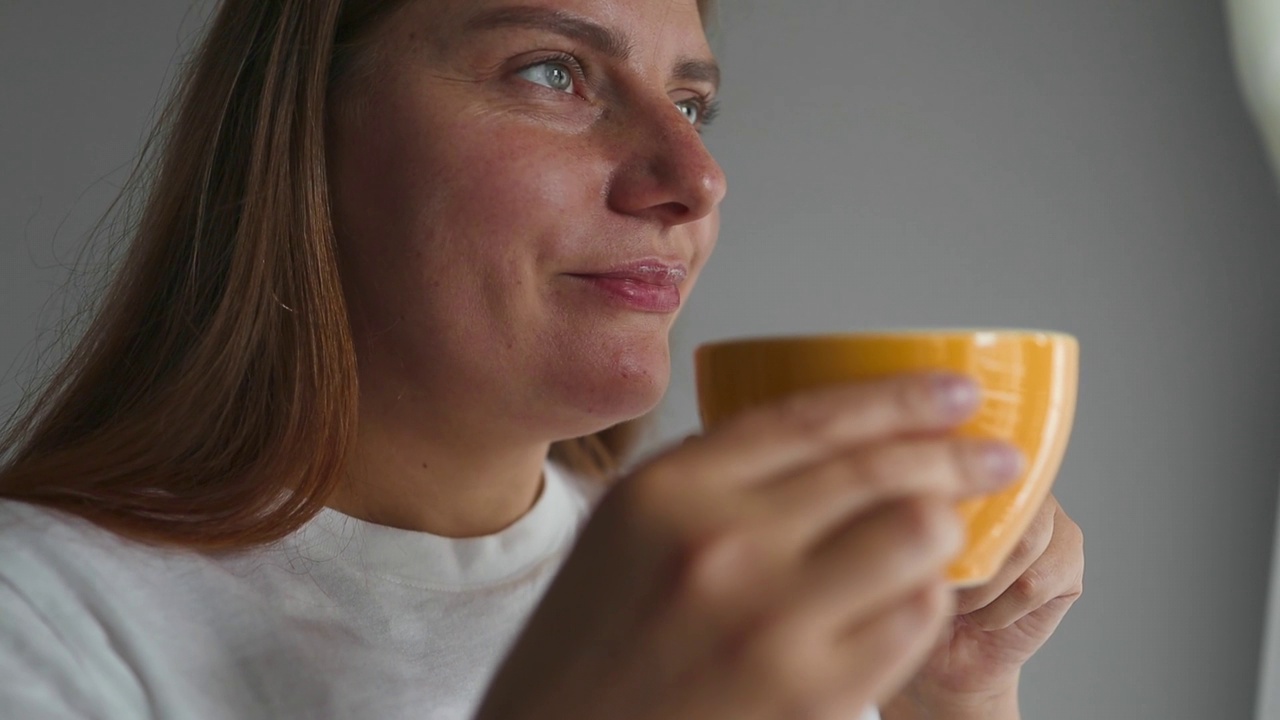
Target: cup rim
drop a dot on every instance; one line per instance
(888, 333)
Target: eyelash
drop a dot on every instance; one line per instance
(708, 109)
(569, 61)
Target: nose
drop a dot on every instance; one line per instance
(667, 173)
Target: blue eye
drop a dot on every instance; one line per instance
(692, 110)
(553, 74)
(698, 111)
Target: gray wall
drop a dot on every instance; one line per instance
(1084, 166)
(80, 82)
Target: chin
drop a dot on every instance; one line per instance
(605, 396)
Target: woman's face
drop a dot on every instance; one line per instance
(523, 202)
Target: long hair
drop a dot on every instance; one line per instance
(212, 402)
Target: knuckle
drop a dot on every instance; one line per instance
(1020, 551)
(879, 470)
(1030, 544)
(801, 414)
(933, 461)
(714, 566)
(917, 465)
(1075, 591)
(1062, 520)
(978, 462)
(1028, 588)
(1073, 532)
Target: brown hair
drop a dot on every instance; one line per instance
(211, 403)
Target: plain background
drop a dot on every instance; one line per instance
(1083, 166)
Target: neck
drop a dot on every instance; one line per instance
(447, 485)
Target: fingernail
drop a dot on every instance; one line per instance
(1001, 462)
(957, 395)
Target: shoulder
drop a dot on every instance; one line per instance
(70, 569)
(64, 566)
(33, 523)
(37, 541)
(55, 647)
(33, 537)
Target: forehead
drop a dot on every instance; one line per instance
(673, 26)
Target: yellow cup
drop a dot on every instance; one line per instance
(1028, 378)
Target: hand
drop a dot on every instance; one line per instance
(790, 564)
(1000, 625)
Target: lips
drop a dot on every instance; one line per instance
(651, 286)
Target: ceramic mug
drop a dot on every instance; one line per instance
(1028, 379)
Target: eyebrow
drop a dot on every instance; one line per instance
(599, 38)
(699, 71)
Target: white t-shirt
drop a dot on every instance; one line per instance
(343, 620)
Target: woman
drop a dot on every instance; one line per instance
(397, 254)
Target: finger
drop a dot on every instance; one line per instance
(810, 504)
(1028, 550)
(881, 656)
(1056, 579)
(874, 562)
(808, 427)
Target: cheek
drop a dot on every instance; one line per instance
(704, 234)
(479, 198)
(518, 187)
